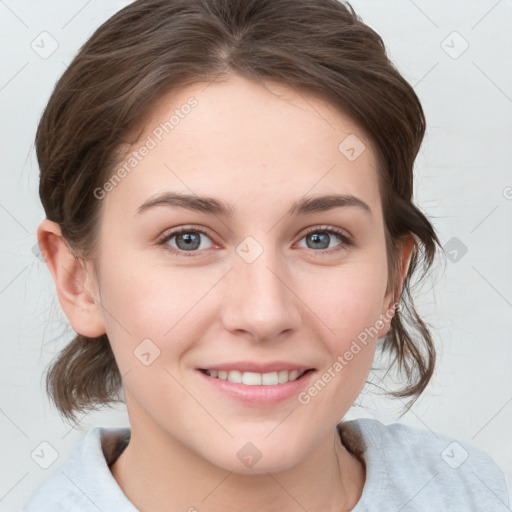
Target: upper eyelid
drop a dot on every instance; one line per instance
(183, 229)
(325, 227)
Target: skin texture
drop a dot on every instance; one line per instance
(259, 148)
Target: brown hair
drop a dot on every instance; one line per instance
(152, 47)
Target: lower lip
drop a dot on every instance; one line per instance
(259, 394)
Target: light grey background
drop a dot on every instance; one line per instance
(464, 183)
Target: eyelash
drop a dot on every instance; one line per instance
(346, 240)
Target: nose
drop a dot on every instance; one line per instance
(259, 300)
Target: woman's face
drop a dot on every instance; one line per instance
(261, 285)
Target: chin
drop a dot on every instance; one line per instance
(257, 457)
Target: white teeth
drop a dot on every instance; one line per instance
(235, 376)
(249, 378)
(269, 379)
(255, 378)
(282, 376)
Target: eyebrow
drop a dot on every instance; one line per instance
(210, 205)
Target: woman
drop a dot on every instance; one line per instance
(230, 228)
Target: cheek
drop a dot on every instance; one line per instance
(348, 299)
(148, 301)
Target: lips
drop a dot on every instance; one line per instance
(257, 385)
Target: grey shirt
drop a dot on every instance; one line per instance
(407, 469)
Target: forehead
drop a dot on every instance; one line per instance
(247, 142)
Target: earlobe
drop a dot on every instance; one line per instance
(75, 283)
(384, 321)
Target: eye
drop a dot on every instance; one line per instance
(321, 236)
(185, 241)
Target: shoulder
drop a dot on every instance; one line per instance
(421, 470)
(84, 482)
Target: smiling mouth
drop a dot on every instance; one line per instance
(255, 378)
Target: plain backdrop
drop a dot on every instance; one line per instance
(457, 55)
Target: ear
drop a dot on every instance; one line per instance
(74, 279)
(405, 246)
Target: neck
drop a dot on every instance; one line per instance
(157, 473)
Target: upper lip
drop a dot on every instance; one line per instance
(248, 366)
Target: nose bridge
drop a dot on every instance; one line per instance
(260, 297)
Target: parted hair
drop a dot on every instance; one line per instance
(152, 47)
